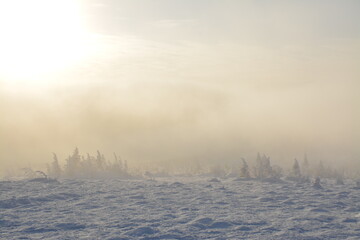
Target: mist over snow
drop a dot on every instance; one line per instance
(185, 81)
(177, 123)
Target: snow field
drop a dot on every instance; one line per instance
(178, 208)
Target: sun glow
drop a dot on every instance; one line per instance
(40, 38)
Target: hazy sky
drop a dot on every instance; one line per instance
(179, 80)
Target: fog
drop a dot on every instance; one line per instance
(165, 90)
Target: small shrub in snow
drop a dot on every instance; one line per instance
(317, 183)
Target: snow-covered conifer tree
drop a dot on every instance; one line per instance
(55, 168)
(73, 166)
(305, 166)
(296, 169)
(244, 171)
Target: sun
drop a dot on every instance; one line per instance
(39, 38)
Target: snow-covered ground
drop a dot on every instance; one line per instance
(178, 208)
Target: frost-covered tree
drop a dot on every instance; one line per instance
(244, 171)
(89, 166)
(117, 168)
(100, 161)
(325, 171)
(118, 162)
(263, 167)
(296, 169)
(267, 169)
(320, 170)
(277, 171)
(258, 171)
(73, 164)
(339, 175)
(54, 170)
(305, 166)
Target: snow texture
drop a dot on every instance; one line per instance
(178, 208)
